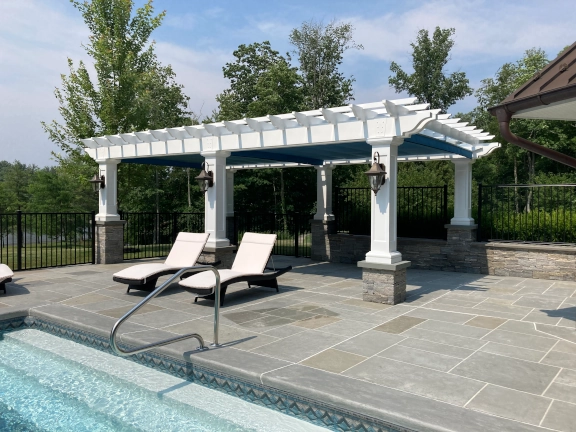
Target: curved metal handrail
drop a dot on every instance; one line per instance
(155, 293)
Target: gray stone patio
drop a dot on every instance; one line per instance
(464, 352)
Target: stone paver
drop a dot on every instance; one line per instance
(464, 352)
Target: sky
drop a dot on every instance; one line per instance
(198, 38)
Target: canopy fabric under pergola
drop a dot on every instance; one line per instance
(318, 137)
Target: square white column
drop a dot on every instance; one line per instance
(215, 199)
(324, 193)
(108, 197)
(230, 192)
(462, 192)
(383, 206)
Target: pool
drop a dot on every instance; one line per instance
(53, 384)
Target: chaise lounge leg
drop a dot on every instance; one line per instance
(3, 287)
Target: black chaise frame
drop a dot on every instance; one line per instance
(268, 280)
(148, 284)
(3, 284)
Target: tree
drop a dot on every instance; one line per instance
(254, 63)
(130, 91)
(429, 82)
(14, 194)
(320, 49)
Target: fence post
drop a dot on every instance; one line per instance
(93, 220)
(19, 239)
(174, 227)
(479, 231)
(446, 220)
(296, 223)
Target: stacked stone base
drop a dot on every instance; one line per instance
(109, 242)
(384, 283)
(223, 254)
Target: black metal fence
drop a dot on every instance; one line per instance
(150, 235)
(293, 230)
(39, 240)
(529, 213)
(422, 211)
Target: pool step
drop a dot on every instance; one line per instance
(29, 399)
(145, 399)
(47, 388)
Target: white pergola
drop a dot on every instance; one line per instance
(399, 130)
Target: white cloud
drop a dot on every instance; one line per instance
(33, 56)
(35, 39)
(483, 29)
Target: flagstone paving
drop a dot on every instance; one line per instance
(464, 352)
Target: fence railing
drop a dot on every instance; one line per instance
(39, 240)
(529, 213)
(293, 230)
(422, 211)
(150, 235)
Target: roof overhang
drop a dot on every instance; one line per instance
(319, 137)
(549, 95)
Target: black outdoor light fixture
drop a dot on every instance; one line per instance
(376, 174)
(205, 179)
(98, 182)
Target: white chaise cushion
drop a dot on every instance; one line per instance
(5, 272)
(144, 271)
(184, 253)
(207, 279)
(254, 253)
(186, 249)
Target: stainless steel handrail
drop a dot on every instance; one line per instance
(155, 293)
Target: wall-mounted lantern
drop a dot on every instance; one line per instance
(98, 182)
(376, 174)
(205, 179)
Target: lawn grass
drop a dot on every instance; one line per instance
(40, 256)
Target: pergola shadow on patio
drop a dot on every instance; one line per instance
(464, 352)
(387, 131)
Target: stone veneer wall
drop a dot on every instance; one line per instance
(460, 254)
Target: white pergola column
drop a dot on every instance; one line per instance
(462, 192)
(215, 200)
(230, 192)
(324, 193)
(383, 213)
(108, 197)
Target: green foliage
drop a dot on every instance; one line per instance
(131, 90)
(14, 182)
(320, 49)
(257, 68)
(429, 83)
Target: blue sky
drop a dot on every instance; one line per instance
(197, 38)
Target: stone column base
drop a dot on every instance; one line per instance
(461, 233)
(224, 254)
(320, 250)
(384, 283)
(109, 242)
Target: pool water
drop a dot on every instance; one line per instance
(52, 384)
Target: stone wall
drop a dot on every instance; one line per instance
(460, 254)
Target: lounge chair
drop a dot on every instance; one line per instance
(184, 253)
(5, 276)
(249, 265)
